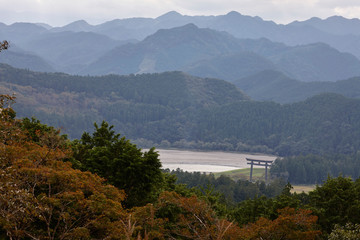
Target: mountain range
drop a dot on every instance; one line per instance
(230, 47)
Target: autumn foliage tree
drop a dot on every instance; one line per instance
(43, 197)
(177, 217)
(291, 225)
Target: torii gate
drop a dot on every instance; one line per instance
(266, 163)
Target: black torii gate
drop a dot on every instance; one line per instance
(257, 162)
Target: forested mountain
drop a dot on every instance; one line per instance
(166, 50)
(77, 26)
(185, 111)
(313, 169)
(208, 53)
(334, 30)
(64, 51)
(19, 58)
(270, 85)
(144, 106)
(70, 51)
(231, 66)
(316, 62)
(19, 33)
(323, 122)
(339, 32)
(335, 25)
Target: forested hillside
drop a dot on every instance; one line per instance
(310, 169)
(270, 85)
(151, 106)
(322, 124)
(175, 109)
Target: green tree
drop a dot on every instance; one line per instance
(42, 133)
(120, 162)
(348, 232)
(251, 210)
(336, 202)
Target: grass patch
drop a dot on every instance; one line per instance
(259, 174)
(302, 188)
(244, 174)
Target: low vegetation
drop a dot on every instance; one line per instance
(243, 174)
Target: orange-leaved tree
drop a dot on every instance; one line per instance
(43, 197)
(291, 224)
(177, 217)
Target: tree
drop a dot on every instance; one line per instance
(42, 133)
(336, 202)
(43, 197)
(120, 162)
(249, 211)
(291, 224)
(191, 218)
(4, 45)
(348, 232)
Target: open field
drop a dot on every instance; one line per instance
(233, 165)
(243, 174)
(259, 174)
(303, 188)
(206, 161)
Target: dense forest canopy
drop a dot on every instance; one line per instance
(178, 110)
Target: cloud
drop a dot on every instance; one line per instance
(345, 8)
(281, 11)
(332, 4)
(56, 12)
(349, 12)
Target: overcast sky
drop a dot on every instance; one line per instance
(62, 12)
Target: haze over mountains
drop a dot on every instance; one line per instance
(261, 57)
(201, 45)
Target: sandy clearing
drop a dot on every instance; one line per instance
(181, 158)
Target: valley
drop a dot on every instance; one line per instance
(139, 128)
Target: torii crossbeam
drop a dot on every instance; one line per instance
(257, 162)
